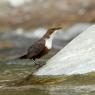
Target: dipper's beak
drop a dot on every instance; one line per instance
(56, 28)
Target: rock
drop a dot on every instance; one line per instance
(78, 57)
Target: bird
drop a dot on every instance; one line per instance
(42, 46)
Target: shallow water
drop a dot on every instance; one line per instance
(44, 85)
(49, 90)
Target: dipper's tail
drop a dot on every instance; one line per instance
(22, 57)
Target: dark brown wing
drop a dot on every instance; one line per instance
(22, 57)
(36, 48)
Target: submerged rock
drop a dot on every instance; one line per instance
(78, 57)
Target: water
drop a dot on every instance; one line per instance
(49, 90)
(44, 85)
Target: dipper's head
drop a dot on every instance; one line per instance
(51, 32)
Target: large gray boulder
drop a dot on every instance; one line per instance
(78, 57)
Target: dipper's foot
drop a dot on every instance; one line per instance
(39, 65)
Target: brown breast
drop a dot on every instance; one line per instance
(44, 52)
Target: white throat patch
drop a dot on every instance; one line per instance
(48, 41)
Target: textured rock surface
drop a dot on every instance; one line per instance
(78, 57)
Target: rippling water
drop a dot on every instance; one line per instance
(50, 90)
